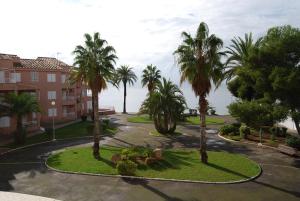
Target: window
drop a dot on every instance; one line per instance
(2, 77)
(51, 77)
(34, 76)
(52, 112)
(4, 122)
(89, 105)
(51, 95)
(33, 115)
(63, 78)
(15, 77)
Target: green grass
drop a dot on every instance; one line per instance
(209, 120)
(140, 119)
(157, 134)
(189, 120)
(177, 164)
(71, 131)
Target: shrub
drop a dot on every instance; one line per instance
(283, 131)
(244, 131)
(49, 130)
(293, 142)
(105, 124)
(126, 167)
(133, 153)
(83, 117)
(228, 129)
(273, 132)
(237, 125)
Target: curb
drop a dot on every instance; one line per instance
(155, 179)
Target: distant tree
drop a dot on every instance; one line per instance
(151, 77)
(21, 105)
(95, 67)
(199, 62)
(125, 75)
(167, 104)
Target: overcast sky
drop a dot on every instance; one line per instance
(142, 32)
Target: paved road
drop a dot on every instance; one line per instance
(23, 171)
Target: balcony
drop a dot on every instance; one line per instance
(68, 100)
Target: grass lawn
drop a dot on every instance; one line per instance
(177, 164)
(71, 131)
(189, 120)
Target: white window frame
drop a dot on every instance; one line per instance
(52, 112)
(15, 77)
(5, 122)
(34, 76)
(63, 78)
(51, 77)
(51, 95)
(2, 76)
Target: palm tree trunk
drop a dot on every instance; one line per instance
(96, 132)
(124, 102)
(202, 109)
(18, 132)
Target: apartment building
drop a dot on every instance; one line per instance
(47, 79)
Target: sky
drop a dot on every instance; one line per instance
(142, 32)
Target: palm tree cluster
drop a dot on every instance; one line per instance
(20, 105)
(166, 103)
(95, 67)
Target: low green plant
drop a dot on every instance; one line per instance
(272, 130)
(228, 129)
(293, 141)
(244, 131)
(126, 167)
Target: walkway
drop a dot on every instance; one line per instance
(23, 171)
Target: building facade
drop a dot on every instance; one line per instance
(47, 79)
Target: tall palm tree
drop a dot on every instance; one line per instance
(199, 61)
(95, 61)
(20, 105)
(239, 54)
(167, 104)
(125, 75)
(151, 77)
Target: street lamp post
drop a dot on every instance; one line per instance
(53, 127)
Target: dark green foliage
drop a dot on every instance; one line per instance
(83, 117)
(293, 142)
(105, 124)
(126, 167)
(229, 129)
(244, 131)
(268, 71)
(133, 153)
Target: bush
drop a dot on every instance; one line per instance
(49, 130)
(133, 153)
(244, 131)
(105, 124)
(273, 131)
(83, 117)
(293, 142)
(228, 129)
(126, 167)
(283, 131)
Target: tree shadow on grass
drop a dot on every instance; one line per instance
(295, 193)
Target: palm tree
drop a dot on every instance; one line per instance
(126, 75)
(150, 77)
(167, 104)
(199, 61)
(95, 61)
(239, 54)
(20, 105)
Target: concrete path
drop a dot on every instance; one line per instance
(24, 171)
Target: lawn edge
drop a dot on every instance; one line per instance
(154, 179)
(251, 143)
